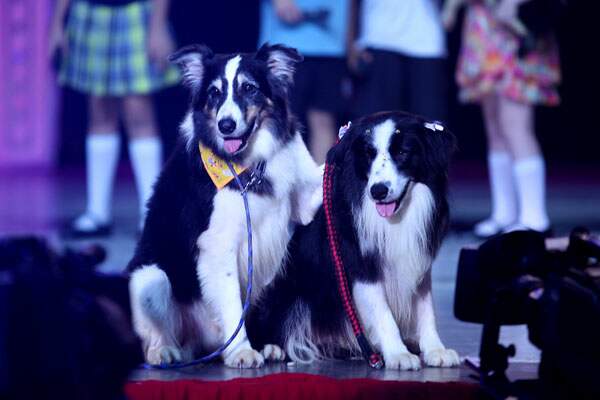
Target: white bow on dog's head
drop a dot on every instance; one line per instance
(434, 126)
(343, 129)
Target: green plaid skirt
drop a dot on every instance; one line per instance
(107, 51)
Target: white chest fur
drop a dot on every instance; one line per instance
(401, 242)
(292, 174)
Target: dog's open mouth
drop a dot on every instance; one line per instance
(237, 144)
(233, 146)
(387, 210)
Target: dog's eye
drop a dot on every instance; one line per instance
(249, 88)
(214, 91)
(370, 151)
(400, 154)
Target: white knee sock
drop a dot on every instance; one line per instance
(102, 155)
(146, 160)
(530, 178)
(504, 200)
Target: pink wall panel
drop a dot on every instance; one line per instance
(28, 94)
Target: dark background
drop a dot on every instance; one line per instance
(569, 134)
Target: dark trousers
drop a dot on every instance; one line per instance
(397, 82)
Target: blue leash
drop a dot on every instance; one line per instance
(221, 349)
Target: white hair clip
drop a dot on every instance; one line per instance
(434, 126)
(343, 129)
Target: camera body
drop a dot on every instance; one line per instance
(65, 331)
(520, 278)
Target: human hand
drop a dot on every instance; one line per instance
(160, 44)
(507, 13)
(288, 11)
(57, 41)
(357, 58)
(507, 10)
(449, 13)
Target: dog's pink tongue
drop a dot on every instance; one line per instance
(232, 145)
(386, 209)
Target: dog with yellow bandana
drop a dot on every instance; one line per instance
(190, 265)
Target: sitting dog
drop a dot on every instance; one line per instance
(390, 213)
(189, 271)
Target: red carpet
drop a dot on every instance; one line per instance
(300, 387)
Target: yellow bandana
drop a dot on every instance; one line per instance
(217, 168)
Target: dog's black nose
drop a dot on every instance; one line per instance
(379, 191)
(226, 126)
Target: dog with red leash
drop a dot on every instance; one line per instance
(358, 278)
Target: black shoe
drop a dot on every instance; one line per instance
(489, 227)
(87, 226)
(547, 233)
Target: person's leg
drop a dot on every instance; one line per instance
(516, 121)
(322, 128)
(325, 105)
(500, 169)
(301, 94)
(145, 147)
(102, 153)
(427, 93)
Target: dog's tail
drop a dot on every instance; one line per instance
(299, 337)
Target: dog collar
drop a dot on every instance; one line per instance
(217, 168)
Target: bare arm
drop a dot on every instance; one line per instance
(507, 12)
(352, 24)
(356, 55)
(57, 35)
(160, 42)
(449, 12)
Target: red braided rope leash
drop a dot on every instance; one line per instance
(374, 359)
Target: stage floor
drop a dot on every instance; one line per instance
(40, 202)
(333, 369)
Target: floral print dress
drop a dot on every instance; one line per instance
(489, 62)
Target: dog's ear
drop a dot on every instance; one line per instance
(441, 145)
(191, 60)
(281, 61)
(337, 153)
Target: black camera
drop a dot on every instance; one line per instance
(552, 286)
(65, 330)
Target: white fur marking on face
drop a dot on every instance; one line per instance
(383, 168)
(230, 109)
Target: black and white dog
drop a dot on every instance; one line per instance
(189, 271)
(390, 212)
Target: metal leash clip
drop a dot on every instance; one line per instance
(256, 176)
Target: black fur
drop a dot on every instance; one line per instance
(309, 277)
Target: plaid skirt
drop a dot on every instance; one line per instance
(107, 53)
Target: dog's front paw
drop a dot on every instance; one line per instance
(404, 361)
(441, 358)
(245, 358)
(272, 352)
(158, 355)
